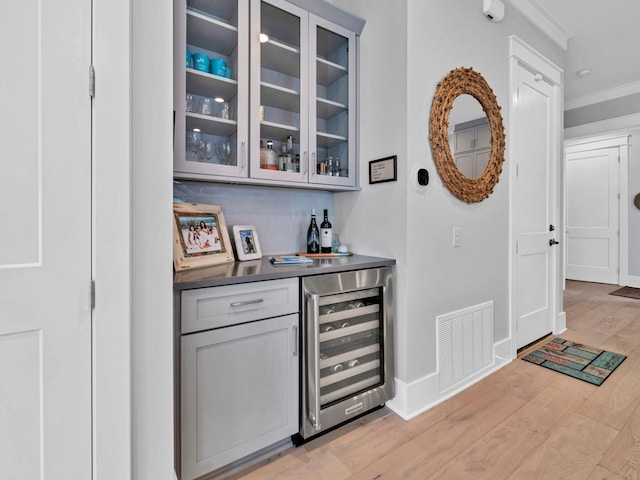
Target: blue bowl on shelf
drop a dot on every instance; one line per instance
(188, 58)
(201, 62)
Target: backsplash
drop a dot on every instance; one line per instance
(280, 215)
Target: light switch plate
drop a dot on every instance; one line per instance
(456, 236)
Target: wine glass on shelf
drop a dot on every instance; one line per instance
(194, 141)
(209, 150)
(225, 152)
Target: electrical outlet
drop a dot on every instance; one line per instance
(456, 236)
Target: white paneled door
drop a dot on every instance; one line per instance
(593, 190)
(534, 200)
(45, 240)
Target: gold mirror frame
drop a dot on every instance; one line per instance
(458, 82)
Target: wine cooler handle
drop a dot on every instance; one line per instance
(295, 340)
(313, 398)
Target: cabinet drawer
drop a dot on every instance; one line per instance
(215, 307)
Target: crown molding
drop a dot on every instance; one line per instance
(603, 96)
(536, 16)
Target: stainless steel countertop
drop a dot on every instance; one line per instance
(260, 270)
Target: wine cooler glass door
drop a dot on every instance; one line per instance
(350, 349)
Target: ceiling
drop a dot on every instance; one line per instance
(599, 35)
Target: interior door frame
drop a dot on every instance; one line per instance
(522, 54)
(621, 142)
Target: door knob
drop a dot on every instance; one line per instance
(553, 242)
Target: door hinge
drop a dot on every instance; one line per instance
(92, 81)
(92, 295)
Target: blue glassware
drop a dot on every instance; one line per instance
(188, 58)
(218, 66)
(201, 62)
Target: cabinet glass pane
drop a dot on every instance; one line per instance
(332, 103)
(211, 100)
(351, 335)
(280, 104)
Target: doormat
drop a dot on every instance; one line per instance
(583, 362)
(627, 292)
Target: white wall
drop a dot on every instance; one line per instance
(407, 47)
(151, 239)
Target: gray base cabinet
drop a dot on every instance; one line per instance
(239, 383)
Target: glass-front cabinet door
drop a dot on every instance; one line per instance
(332, 107)
(211, 87)
(301, 97)
(279, 86)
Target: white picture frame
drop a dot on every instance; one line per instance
(247, 243)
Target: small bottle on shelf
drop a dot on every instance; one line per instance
(313, 235)
(271, 157)
(326, 236)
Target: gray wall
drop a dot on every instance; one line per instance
(596, 112)
(407, 47)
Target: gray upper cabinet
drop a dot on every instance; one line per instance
(291, 118)
(211, 99)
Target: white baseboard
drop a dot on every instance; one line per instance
(417, 397)
(631, 281)
(561, 323)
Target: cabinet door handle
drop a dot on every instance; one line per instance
(306, 162)
(295, 340)
(313, 166)
(243, 155)
(246, 302)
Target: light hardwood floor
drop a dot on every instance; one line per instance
(522, 422)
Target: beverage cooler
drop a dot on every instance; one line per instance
(347, 330)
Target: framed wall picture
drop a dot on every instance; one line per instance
(200, 236)
(383, 170)
(247, 243)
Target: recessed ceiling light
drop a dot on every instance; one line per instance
(584, 72)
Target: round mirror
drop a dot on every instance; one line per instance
(467, 135)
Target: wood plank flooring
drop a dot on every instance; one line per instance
(522, 422)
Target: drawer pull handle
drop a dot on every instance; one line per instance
(247, 302)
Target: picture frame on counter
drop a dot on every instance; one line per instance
(383, 170)
(200, 236)
(247, 243)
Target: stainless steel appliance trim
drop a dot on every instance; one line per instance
(346, 283)
(313, 370)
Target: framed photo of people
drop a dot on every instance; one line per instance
(200, 236)
(247, 243)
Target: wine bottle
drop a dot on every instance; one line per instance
(313, 235)
(326, 236)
